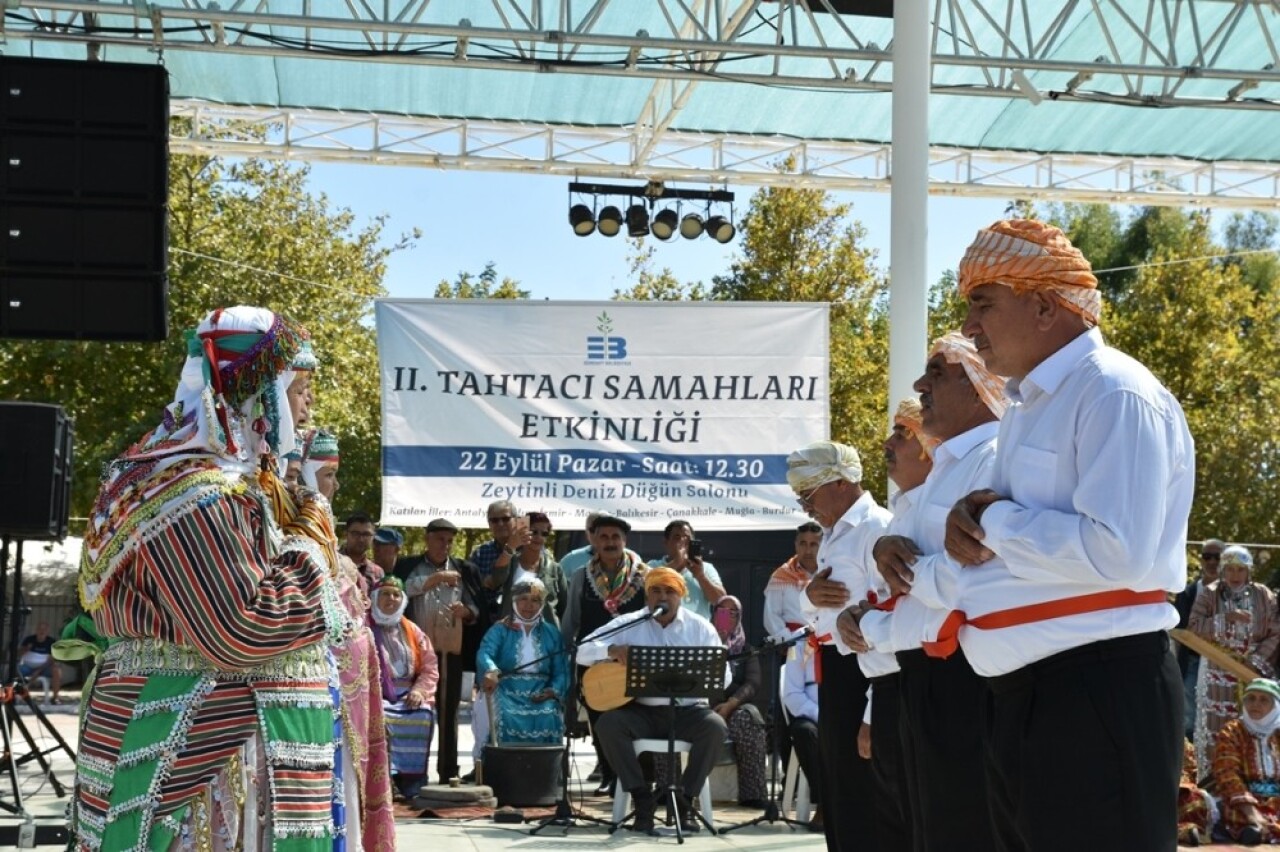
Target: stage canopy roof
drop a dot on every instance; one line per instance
(1144, 101)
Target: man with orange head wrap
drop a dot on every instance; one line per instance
(1068, 556)
(664, 622)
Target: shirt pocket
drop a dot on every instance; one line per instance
(1035, 477)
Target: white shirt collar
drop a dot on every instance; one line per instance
(859, 511)
(961, 445)
(1050, 373)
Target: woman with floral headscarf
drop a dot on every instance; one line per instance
(1246, 767)
(216, 590)
(1239, 616)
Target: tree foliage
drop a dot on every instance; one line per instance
(485, 285)
(245, 233)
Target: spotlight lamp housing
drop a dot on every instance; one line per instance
(582, 220)
(665, 224)
(720, 229)
(637, 221)
(691, 226)
(610, 221)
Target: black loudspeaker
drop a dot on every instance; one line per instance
(35, 470)
(84, 187)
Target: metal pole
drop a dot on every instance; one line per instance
(909, 200)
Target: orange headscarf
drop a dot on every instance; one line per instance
(666, 578)
(1028, 255)
(908, 417)
(955, 348)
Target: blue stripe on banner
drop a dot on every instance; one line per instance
(420, 461)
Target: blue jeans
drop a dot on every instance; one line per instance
(1189, 691)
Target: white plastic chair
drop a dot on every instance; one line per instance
(798, 785)
(622, 798)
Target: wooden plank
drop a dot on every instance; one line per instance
(1215, 654)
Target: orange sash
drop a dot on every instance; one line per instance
(947, 642)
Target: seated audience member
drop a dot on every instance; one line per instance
(534, 560)
(647, 718)
(1196, 808)
(37, 659)
(523, 668)
(800, 697)
(1246, 767)
(409, 676)
(743, 719)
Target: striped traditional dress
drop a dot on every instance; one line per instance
(212, 721)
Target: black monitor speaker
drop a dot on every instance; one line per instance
(36, 456)
(83, 200)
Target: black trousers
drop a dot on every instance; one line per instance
(804, 739)
(893, 810)
(1096, 730)
(618, 730)
(448, 694)
(944, 777)
(846, 778)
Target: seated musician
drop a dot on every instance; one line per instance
(647, 718)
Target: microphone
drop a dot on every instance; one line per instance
(658, 611)
(791, 638)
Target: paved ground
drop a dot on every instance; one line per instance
(40, 800)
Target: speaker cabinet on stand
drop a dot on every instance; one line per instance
(36, 458)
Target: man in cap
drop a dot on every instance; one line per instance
(669, 625)
(960, 404)
(827, 479)
(442, 592)
(611, 584)
(386, 548)
(1070, 555)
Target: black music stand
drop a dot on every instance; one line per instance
(680, 671)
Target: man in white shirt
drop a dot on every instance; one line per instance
(783, 610)
(664, 623)
(941, 699)
(827, 479)
(1088, 510)
(800, 697)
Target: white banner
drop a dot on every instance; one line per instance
(647, 410)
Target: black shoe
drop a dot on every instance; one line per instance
(469, 778)
(688, 814)
(605, 788)
(645, 804)
(596, 774)
(1250, 835)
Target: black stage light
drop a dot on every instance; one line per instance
(665, 224)
(691, 226)
(720, 229)
(610, 221)
(637, 221)
(582, 220)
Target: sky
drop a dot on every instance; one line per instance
(520, 222)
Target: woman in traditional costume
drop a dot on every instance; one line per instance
(523, 666)
(1246, 767)
(534, 560)
(212, 722)
(1239, 616)
(408, 681)
(369, 800)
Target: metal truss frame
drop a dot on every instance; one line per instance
(578, 152)
(1145, 54)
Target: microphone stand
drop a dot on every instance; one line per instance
(565, 816)
(771, 813)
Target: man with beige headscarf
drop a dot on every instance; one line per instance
(827, 479)
(1069, 556)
